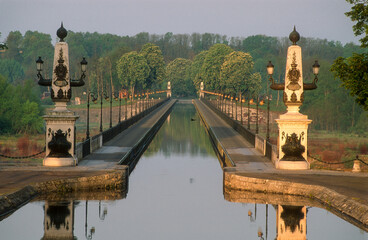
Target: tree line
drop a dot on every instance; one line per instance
(186, 60)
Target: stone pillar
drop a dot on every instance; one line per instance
(168, 90)
(60, 122)
(293, 126)
(201, 93)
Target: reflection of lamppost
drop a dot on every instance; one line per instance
(102, 217)
(94, 100)
(92, 230)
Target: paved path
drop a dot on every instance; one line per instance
(114, 150)
(244, 155)
(251, 163)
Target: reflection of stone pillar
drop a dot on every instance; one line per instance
(168, 89)
(59, 221)
(291, 222)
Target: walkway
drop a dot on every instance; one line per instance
(250, 163)
(113, 151)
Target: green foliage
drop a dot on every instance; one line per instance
(237, 75)
(18, 113)
(195, 70)
(359, 14)
(132, 70)
(177, 73)
(155, 61)
(211, 67)
(12, 70)
(353, 72)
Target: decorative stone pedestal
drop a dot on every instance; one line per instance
(60, 137)
(289, 124)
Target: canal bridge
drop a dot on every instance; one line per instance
(245, 167)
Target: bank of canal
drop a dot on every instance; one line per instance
(175, 192)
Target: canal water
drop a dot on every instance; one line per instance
(175, 192)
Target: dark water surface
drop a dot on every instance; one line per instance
(175, 192)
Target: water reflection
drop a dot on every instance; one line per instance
(291, 222)
(182, 134)
(292, 216)
(59, 220)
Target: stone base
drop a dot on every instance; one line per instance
(293, 165)
(59, 162)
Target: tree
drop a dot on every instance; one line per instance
(155, 60)
(237, 74)
(12, 70)
(177, 73)
(132, 70)
(353, 71)
(195, 71)
(211, 67)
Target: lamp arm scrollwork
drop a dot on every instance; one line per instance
(42, 81)
(276, 86)
(311, 86)
(78, 83)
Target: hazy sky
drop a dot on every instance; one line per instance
(313, 18)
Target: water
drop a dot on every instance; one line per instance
(175, 192)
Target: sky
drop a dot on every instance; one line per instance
(323, 19)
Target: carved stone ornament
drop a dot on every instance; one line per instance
(293, 149)
(61, 71)
(294, 99)
(294, 76)
(59, 145)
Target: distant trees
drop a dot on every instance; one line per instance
(208, 53)
(210, 71)
(178, 74)
(20, 111)
(133, 70)
(155, 60)
(237, 75)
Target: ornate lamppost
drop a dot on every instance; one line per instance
(293, 126)
(60, 122)
(94, 100)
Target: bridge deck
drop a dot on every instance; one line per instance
(250, 163)
(114, 150)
